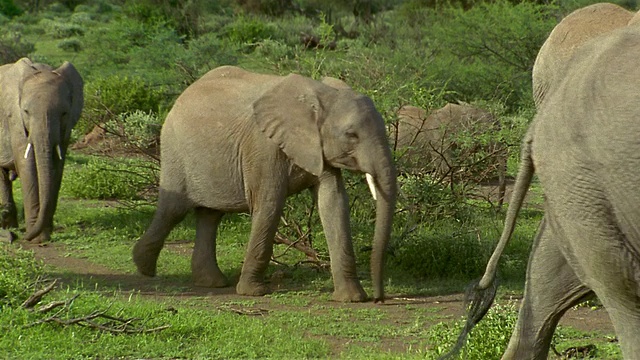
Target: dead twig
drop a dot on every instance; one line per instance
(112, 324)
(34, 299)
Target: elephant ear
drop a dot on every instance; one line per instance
(73, 78)
(23, 69)
(289, 114)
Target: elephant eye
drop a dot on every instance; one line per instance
(351, 135)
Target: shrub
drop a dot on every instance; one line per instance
(72, 44)
(61, 30)
(108, 97)
(137, 129)
(201, 55)
(81, 18)
(488, 51)
(13, 47)
(9, 9)
(109, 179)
(248, 30)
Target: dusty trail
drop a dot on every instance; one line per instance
(71, 270)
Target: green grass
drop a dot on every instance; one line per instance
(440, 241)
(297, 321)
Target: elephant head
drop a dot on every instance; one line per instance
(43, 104)
(335, 127)
(572, 32)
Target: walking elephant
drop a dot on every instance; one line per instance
(584, 146)
(427, 141)
(39, 106)
(238, 141)
(571, 33)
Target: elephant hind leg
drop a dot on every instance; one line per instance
(172, 208)
(204, 263)
(551, 288)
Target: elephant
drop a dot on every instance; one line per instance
(566, 37)
(238, 141)
(425, 140)
(583, 145)
(39, 106)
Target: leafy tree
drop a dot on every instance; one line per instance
(9, 9)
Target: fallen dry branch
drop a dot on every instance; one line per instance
(114, 325)
(35, 298)
(99, 320)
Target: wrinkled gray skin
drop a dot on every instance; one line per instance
(39, 106)
(237, 141)
(584, 145)
(571, 33)
(422, 139)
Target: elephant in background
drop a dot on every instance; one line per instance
(584, 145)
(39, 106)
(427, 140)
(237, 141)
(571, 33)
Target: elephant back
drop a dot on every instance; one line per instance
(571, 33)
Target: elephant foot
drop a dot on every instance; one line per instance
(252, 288)
(353, 292)
(211, 281)
(145, 259)
(44, 237)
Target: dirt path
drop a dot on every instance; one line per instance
(72, 269)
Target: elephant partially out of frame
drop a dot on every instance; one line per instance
(238, 141)
(584, 145)
(39, 106)
(572, 32)
(427, 141)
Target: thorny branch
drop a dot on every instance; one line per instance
(113, 324)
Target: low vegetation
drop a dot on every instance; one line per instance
(137, 56)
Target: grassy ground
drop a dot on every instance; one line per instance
(90, 257)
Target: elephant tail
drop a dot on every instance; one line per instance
(481, 293)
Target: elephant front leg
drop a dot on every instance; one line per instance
(333, 209)
(551, 288)
(204, 263)
(8, 212)
(266, 208)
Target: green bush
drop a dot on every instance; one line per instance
(81, 18)
(248, 30)
(110, 179)
(9, 9)
(13, 47)
(61, 30)
(488, 51)
(18, 270)
(108, 97)
(72, 44)
(138, 129)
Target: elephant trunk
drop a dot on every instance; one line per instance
(386, 191)
(45, 172)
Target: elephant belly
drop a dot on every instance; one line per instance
(220, 189)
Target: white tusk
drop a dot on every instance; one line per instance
(59, 152)
(26, 152)
(372, 185)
